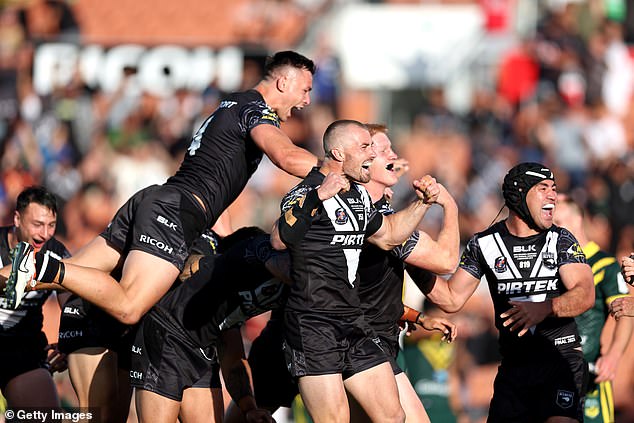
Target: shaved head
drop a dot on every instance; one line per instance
(336, 134)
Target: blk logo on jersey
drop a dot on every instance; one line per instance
(500, 264)
(72, 311)
(565, 398)
(341, 218)
(165, 221)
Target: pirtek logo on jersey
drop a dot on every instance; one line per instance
(527, 287)
(348, 240)
(159, 244)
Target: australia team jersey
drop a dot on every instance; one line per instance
(325, 260)
(609, 285)
(27, 319)
(525, 269)
(222, 155)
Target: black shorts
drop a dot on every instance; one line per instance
(159, 220)
(272, 383)
(389, 344)
(166, 363)
(318, 344)
(21, 354)
(535, 391)
(83, 325)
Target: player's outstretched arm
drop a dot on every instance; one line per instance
(439, 256)
(236, 374)
(450, 295)
(282, 152)
(429, 323)
(397, 227)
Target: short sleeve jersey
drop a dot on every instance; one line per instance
(222, 155)
(608, 286)
(228, 289)
(381, 278)
(27, 319)
(325, 261)
(525, 269)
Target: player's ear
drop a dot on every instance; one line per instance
(282, 83)
(336, 154)
(16, 219)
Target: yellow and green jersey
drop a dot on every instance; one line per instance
(609, 285)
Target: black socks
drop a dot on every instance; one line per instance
(47, 266)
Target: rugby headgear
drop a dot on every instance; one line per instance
(517, 182)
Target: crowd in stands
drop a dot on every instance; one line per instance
(562, 96)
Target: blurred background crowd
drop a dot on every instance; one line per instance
(100, 98)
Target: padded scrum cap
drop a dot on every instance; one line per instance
(518, 181)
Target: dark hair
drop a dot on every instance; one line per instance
(38, 195)
(287, 58)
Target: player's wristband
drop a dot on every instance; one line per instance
(411, 315)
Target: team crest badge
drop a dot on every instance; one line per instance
(548, 258)
(564, 398)
(500, 264)
(341, 217)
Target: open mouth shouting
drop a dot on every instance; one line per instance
(547, 210)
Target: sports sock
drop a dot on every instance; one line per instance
(47, 265)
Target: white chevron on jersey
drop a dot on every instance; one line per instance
(331, 206)
(493, 247)
(550, 247)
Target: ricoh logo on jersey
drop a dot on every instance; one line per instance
(155, 243)
(527, 287)
(136, 375)
(69, 334)
(347, 240)
(165, 221)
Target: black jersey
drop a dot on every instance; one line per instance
(27, 319)
(228, 289)
(325, 261)
(222, 155)
(525, 269)
(381, 276)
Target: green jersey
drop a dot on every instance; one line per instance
(426, 364)
(609, 285)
